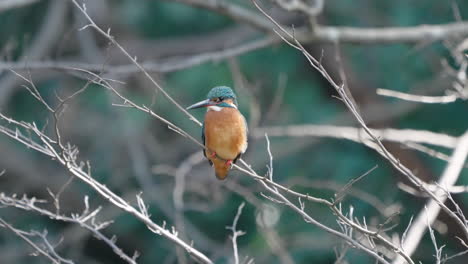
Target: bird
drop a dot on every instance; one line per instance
(224, 130)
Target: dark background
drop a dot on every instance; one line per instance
(129, 150)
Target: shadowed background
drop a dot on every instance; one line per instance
(131, 152)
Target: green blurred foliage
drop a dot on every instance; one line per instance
(307, 99)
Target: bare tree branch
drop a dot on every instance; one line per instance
(419, 98)
(306, 7)
(11, 4)
(108, 36)
(446, 181)
(44, 40)
(67, 156)
(169, 65)
(85, 220)
(236, 233)
(359, 134)
(335, 34)
(47, 250)
(240, 14)
(371, 240)
(376, 143)
(178, 195)
(387, 35)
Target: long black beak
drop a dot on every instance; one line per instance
(203, 103)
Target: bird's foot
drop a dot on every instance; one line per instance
(229, 163)
(213, 154)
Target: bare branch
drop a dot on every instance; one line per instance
(359, 134)
(85, 220)
(111, 38)
(11, 4)
(236, 233)
(47, 252)
(302, 6)
(67, 157)
(419, 98)
(48, 34)
(270, 166)
(438, 249)
(387, 35)
(446, 181)
(339, 196)
(178, 195)
(367, 238)
(335, 34)
(240, 14)
(377, 144)
(169, 65)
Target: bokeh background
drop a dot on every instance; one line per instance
(131, 152)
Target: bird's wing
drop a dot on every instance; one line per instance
(203, 137)
(246, 133)
(203, 142)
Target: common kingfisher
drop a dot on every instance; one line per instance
(224, 131)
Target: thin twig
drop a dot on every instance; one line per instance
(236, 233)
(166, 66)
(446, 181)
(85, 220)
(341, 34)
(111, 38)
(24, 235)
(379, 147)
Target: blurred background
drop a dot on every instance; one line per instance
(189, 49)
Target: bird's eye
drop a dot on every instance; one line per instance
(221, 98)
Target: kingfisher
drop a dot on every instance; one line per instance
(224, 130)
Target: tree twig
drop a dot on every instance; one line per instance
(48, 253)
(86, 220)
(447, 180)
(236, 233)
(419, 98)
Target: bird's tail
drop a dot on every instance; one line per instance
(221, 169)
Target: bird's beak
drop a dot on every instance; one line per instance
(203, 103)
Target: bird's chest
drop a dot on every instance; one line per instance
(225, 132)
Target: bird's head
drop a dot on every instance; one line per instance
(217, 98)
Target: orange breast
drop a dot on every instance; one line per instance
(225, 132)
